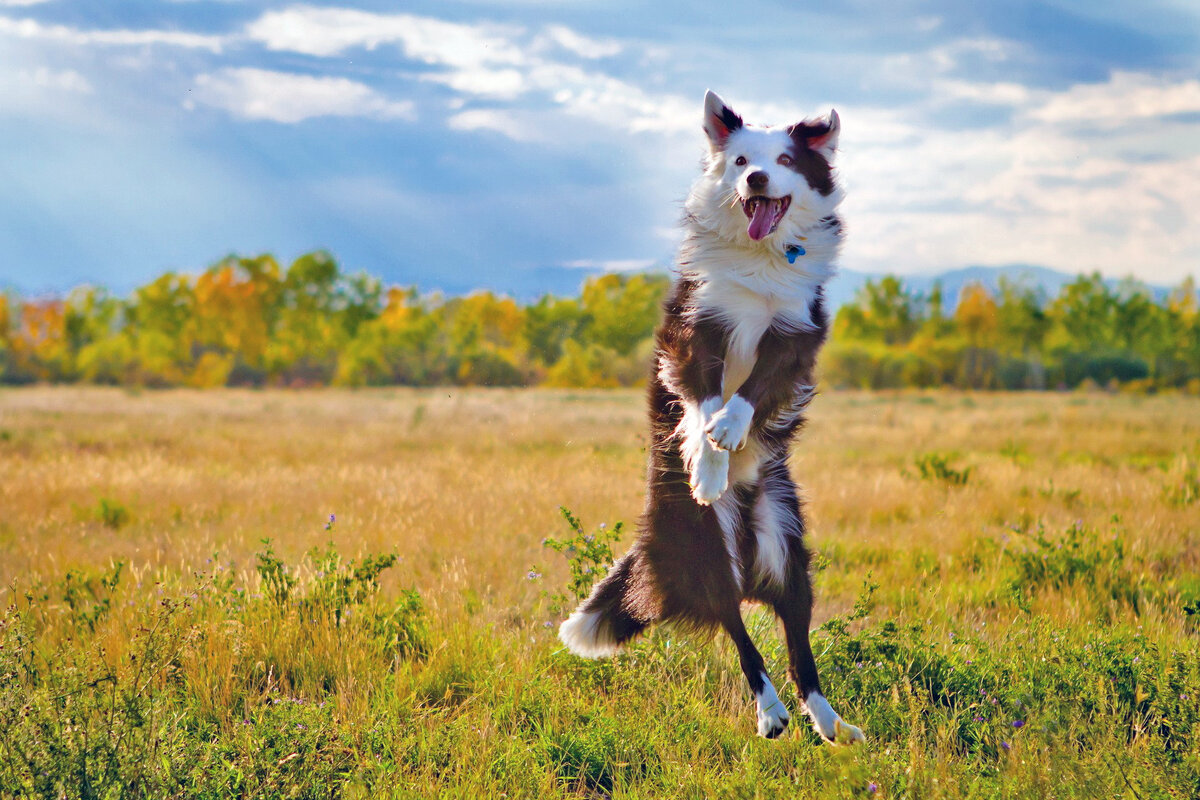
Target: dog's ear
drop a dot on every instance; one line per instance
(819, 135)
(719, 120)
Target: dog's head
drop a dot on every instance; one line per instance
(767, 177)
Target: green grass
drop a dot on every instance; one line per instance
(997, 639)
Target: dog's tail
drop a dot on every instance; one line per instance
(619, 608)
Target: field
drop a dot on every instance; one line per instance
(1008, 600)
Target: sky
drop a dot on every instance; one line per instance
(517, 146)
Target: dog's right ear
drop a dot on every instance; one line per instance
(719, 120)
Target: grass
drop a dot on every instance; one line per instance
(1029, 630)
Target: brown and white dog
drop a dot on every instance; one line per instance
(735, 358)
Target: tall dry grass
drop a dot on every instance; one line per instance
(957, 506)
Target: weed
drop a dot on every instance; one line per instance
(1079, 556)
(589, 555)
(1185, 489)
(934, 466)
(111, 513)
(89, 597)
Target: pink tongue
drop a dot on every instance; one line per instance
(764, 216)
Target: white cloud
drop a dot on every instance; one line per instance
(288, 97)
(1004, 94)
(67, 80)
(614, 265)
(20, 3)
(490, 119)
(485, 61)
(580, 45)
(32, 29)
(1041, 189)
(1126, 96)
(500, 83)
(332, 31)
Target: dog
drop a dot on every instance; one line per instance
(734, 372)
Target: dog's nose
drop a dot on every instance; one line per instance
(757, 180)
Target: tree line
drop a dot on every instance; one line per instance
(253, 322)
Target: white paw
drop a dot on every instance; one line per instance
(828, 724)
(730, 426)
(710, 476)
(773, 717)
(845, 733)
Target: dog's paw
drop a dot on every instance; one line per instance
(729, 427)
(710, 476)
(845, 733)
(773, 717)
(831, 727)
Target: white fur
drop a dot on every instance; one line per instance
(828, 724)
(584, 635)
(729, 427)
(803, 395)
(772, 714)
(729, 517)
(772, 529)
(708, 467)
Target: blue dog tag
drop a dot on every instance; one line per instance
(793, 251)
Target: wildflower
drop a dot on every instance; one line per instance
(332, 519)
(872, 787)
(547, 624)
(1018, 723)
(1006, 745)
(532, 575)
(978, 718)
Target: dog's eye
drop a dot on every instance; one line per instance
(741, 161)
(785, 160)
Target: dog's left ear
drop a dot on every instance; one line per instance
(820, 135)
(719, 120)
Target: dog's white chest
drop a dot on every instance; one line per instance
(751, 319)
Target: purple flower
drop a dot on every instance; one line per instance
(872, 787)
(1006, 745)
(1018, 723)
(532, 575)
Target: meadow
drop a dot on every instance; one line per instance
(350, 593)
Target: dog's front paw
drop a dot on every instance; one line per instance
(773, 717)
(710, 476)
(729, 427)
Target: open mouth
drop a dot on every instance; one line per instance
(765, 214)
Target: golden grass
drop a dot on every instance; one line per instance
(464, 484)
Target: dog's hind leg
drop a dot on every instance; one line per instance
(611, 615)
(773, 716)
(794, 607)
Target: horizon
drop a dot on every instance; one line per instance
(473, 145)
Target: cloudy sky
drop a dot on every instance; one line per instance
(462, 143)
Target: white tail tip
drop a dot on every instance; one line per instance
(585, 635)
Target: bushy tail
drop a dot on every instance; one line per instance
(613, 614)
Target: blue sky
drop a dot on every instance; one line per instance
(456, 145)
